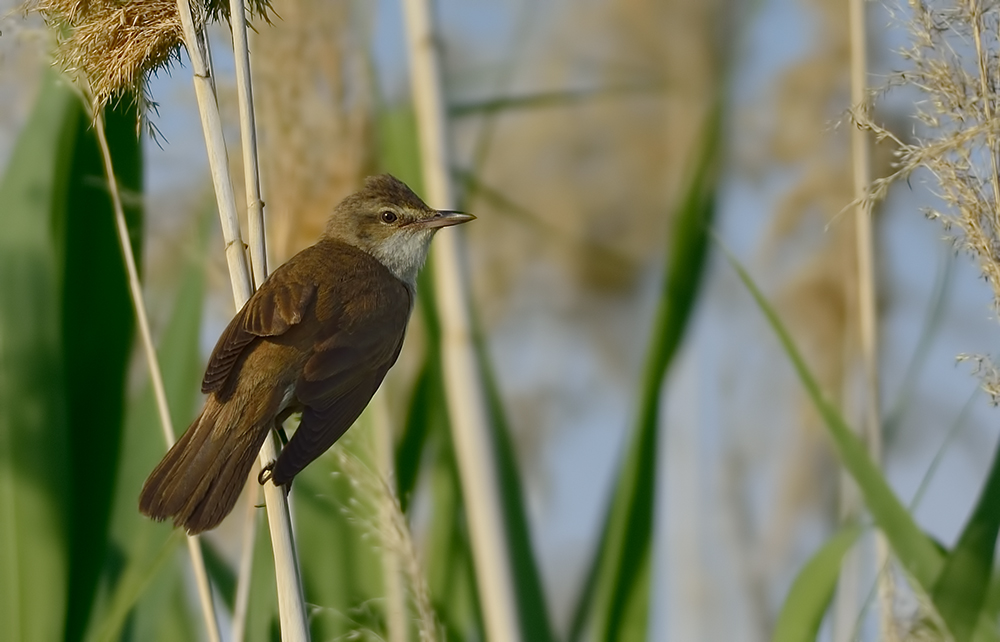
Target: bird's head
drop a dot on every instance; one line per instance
(388, 221)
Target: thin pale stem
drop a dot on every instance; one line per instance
(135, 287)
(867, 307)
(248, 138)
(245, 572)
(218, 159)
(465, 389)
(258, 261)
(291, 604)
(861, 162)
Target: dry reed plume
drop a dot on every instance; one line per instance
(116, 45)
(374, 496)
(952, 61)
(317, 118)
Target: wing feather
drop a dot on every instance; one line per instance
(270, 312)
(340, 378)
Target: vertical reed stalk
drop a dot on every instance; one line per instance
(153, 362)
(248, 138)
(463, 378)
(291, 604)
(867, 308)
(218, 160)
(258, 262)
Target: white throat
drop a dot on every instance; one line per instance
(404, 253)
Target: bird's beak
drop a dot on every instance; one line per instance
(444, 218)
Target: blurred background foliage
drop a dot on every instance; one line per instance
(664, 474)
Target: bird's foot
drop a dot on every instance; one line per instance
(264, 475)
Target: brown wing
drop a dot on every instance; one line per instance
(277, 306)
(320, 427)
(345, 370)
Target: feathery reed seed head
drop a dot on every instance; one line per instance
(116, 44)
(952, 60)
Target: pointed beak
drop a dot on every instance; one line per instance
(444, 218)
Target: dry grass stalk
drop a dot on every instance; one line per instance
(871, 427)
(116, 45)
(142, 321)
(248, 140)
(952, 60)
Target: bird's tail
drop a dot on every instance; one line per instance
(200, 478)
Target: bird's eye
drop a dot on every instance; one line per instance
(387, 216)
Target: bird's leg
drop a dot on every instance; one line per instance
(279, 427)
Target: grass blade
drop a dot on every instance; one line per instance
(562, 98)
(811, 592)
(171, 620)
(400, 154)
(528, 593)
(135, 580)
(34, 459)
(990, 612)
(617, 589)
(917, 553)
(450, 575)
(960, 591)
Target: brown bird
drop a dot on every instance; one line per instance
(316, 338)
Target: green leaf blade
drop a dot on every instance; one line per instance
(97, 331)
(34, 502)
(917, 553)
(615, 598)
(802, 612)
(960, 592)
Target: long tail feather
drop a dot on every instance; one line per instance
(199, 480)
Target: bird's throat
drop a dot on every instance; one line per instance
(404, 253)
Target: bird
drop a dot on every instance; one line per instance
(316, 338)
